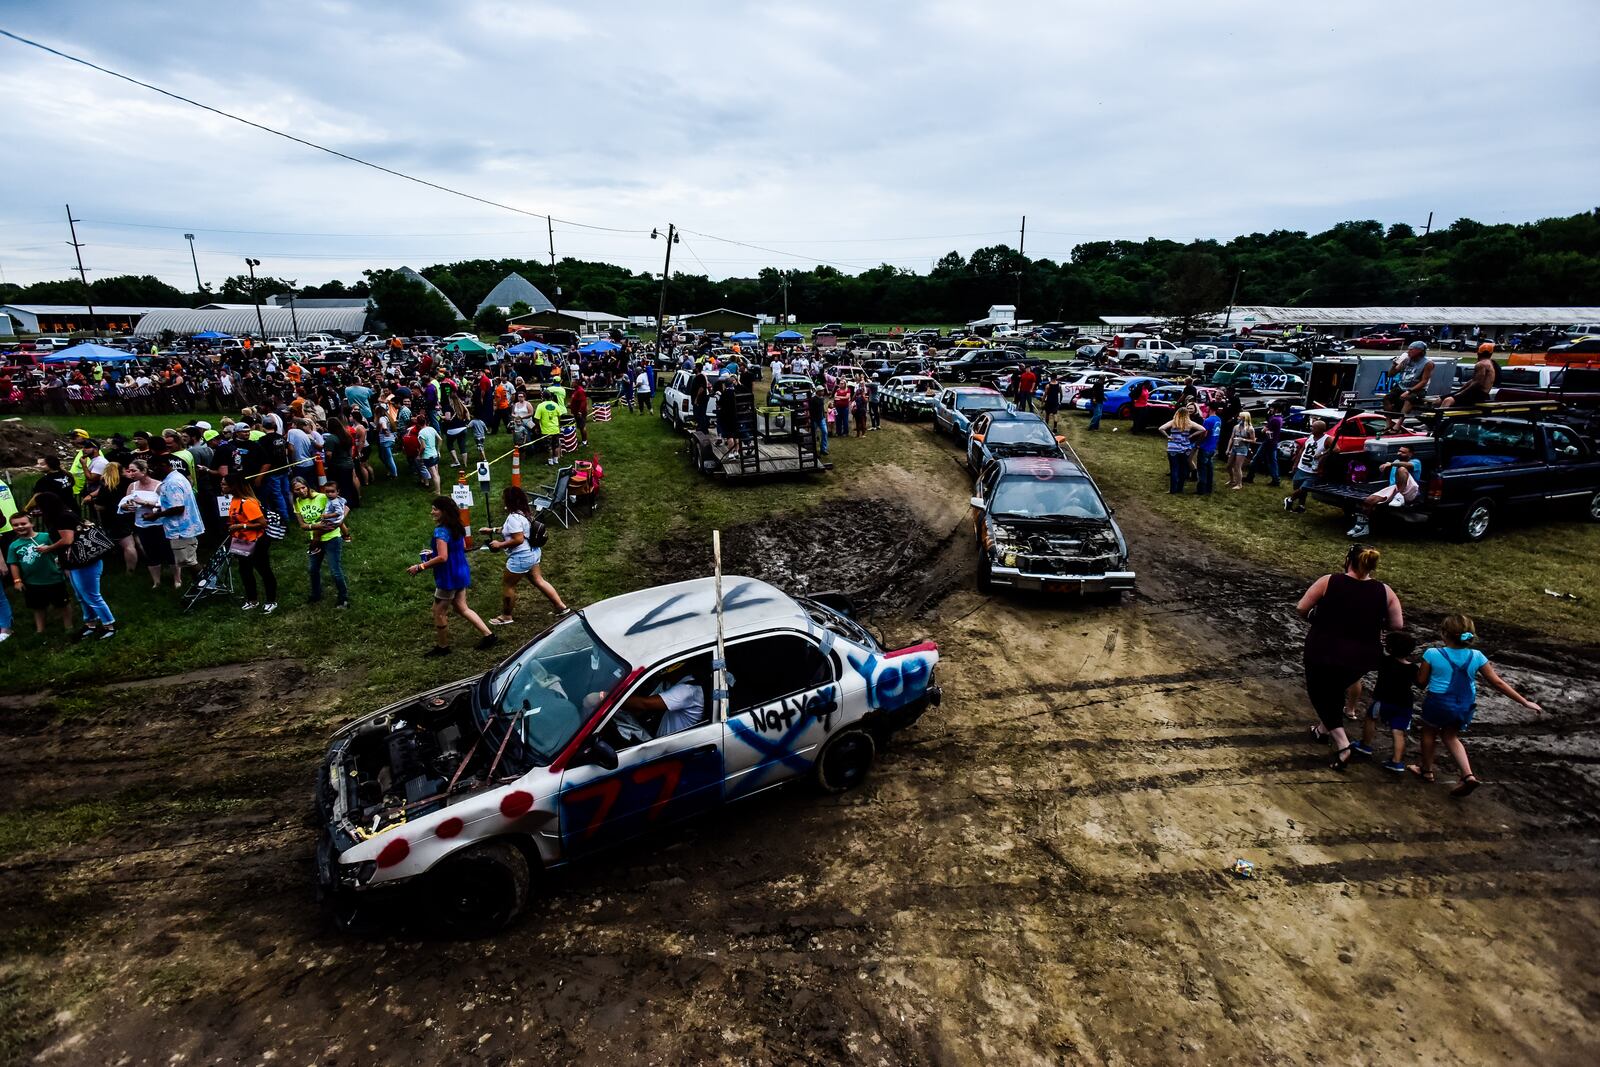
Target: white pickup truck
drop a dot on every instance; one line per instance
(1153, 352)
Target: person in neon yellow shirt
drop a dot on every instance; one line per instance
(548, 412)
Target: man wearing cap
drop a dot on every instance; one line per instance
(1411, 373)
(77, 469)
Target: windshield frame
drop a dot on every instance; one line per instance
(493, 719)
(1010, 479)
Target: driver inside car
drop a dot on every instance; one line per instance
(679, 703)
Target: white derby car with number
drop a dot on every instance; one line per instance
(600, 729)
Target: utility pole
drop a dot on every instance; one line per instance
(1422, 263)
(550, 228)
(255, 294)
(293, 284)
(784, 278)
(666, 272)
(1022, 265)
(83, 275)
(199, 286)
(1232, 298)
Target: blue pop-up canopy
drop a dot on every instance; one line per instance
(745, 336)
(787, 335)
(599, 347)
(213, 335)
(92, 352)
(531, 346)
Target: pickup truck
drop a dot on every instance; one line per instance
(1153, 352)
(1477, 469)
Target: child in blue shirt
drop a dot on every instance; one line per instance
(1392, 698)
(1450, 676)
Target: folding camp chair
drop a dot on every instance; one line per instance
(556, 500)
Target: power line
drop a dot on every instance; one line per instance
(299, 140)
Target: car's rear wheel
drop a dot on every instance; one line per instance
(480, 890)
(845, 760)
(1478, 520)
(1125, 411)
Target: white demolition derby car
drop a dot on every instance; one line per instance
(600, 729)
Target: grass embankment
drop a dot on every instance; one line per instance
(650, 496)
(1503, 578)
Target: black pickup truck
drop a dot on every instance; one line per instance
(1476, 470)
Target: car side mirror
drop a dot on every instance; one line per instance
(977, 502)
(1059, 439)
(597, 753)
(978, 437)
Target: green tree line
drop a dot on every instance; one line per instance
(1552, 261)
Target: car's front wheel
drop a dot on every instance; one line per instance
(845, 760)
(480, 890)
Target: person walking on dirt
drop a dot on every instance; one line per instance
(522, 539)
(1450, 677)
(1052, 401)
(1349, 613)
(1393, 698)
(1027, 381)
(452, 577)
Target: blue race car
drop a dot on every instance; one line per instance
(1119, 395)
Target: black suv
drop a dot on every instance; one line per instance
(973, 362)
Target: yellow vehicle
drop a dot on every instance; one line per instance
(969, 342)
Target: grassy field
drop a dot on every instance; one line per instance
(1504, 577)
(650, 495)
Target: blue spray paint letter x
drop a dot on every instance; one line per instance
(778, 749)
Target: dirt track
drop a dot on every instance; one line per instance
(1036, 873)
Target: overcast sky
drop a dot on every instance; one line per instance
(851, 133)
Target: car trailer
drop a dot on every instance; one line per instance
(782, 441)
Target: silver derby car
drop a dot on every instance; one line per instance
(600, 729)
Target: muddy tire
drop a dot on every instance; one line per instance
(845, 760)
(1124, 412)
(985, 571)
(1476, 522)
(480, 890)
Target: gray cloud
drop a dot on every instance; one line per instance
(821, 129)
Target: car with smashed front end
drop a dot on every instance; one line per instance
(598, 731)
(1041, 523)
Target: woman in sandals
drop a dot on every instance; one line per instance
(1349, 613)
(522, 540)
(1450, 677)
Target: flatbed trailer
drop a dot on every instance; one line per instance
(752, 459)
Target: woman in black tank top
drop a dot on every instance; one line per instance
(1349, 613)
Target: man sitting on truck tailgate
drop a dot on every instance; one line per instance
(1405, 483)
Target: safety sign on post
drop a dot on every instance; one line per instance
(461, 493)
(483, 474)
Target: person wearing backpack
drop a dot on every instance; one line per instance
(1450, 677)
(522, 539)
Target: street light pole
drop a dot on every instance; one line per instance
(1232, 298)
(255, 294)
(199, 286)
(293, 282)
(661, 311)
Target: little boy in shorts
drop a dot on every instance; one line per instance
(1393, 698)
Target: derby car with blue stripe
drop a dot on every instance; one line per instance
(603, 728)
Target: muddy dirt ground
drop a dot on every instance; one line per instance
(1036, 873)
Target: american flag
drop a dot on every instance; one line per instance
(569, 439)
(602, 413)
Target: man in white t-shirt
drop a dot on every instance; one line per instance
(681, 705)
(641, 386)
(1309, 466)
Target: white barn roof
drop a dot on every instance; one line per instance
(279, 322)
(512, 288)
(413, 276)
(1443, 315)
